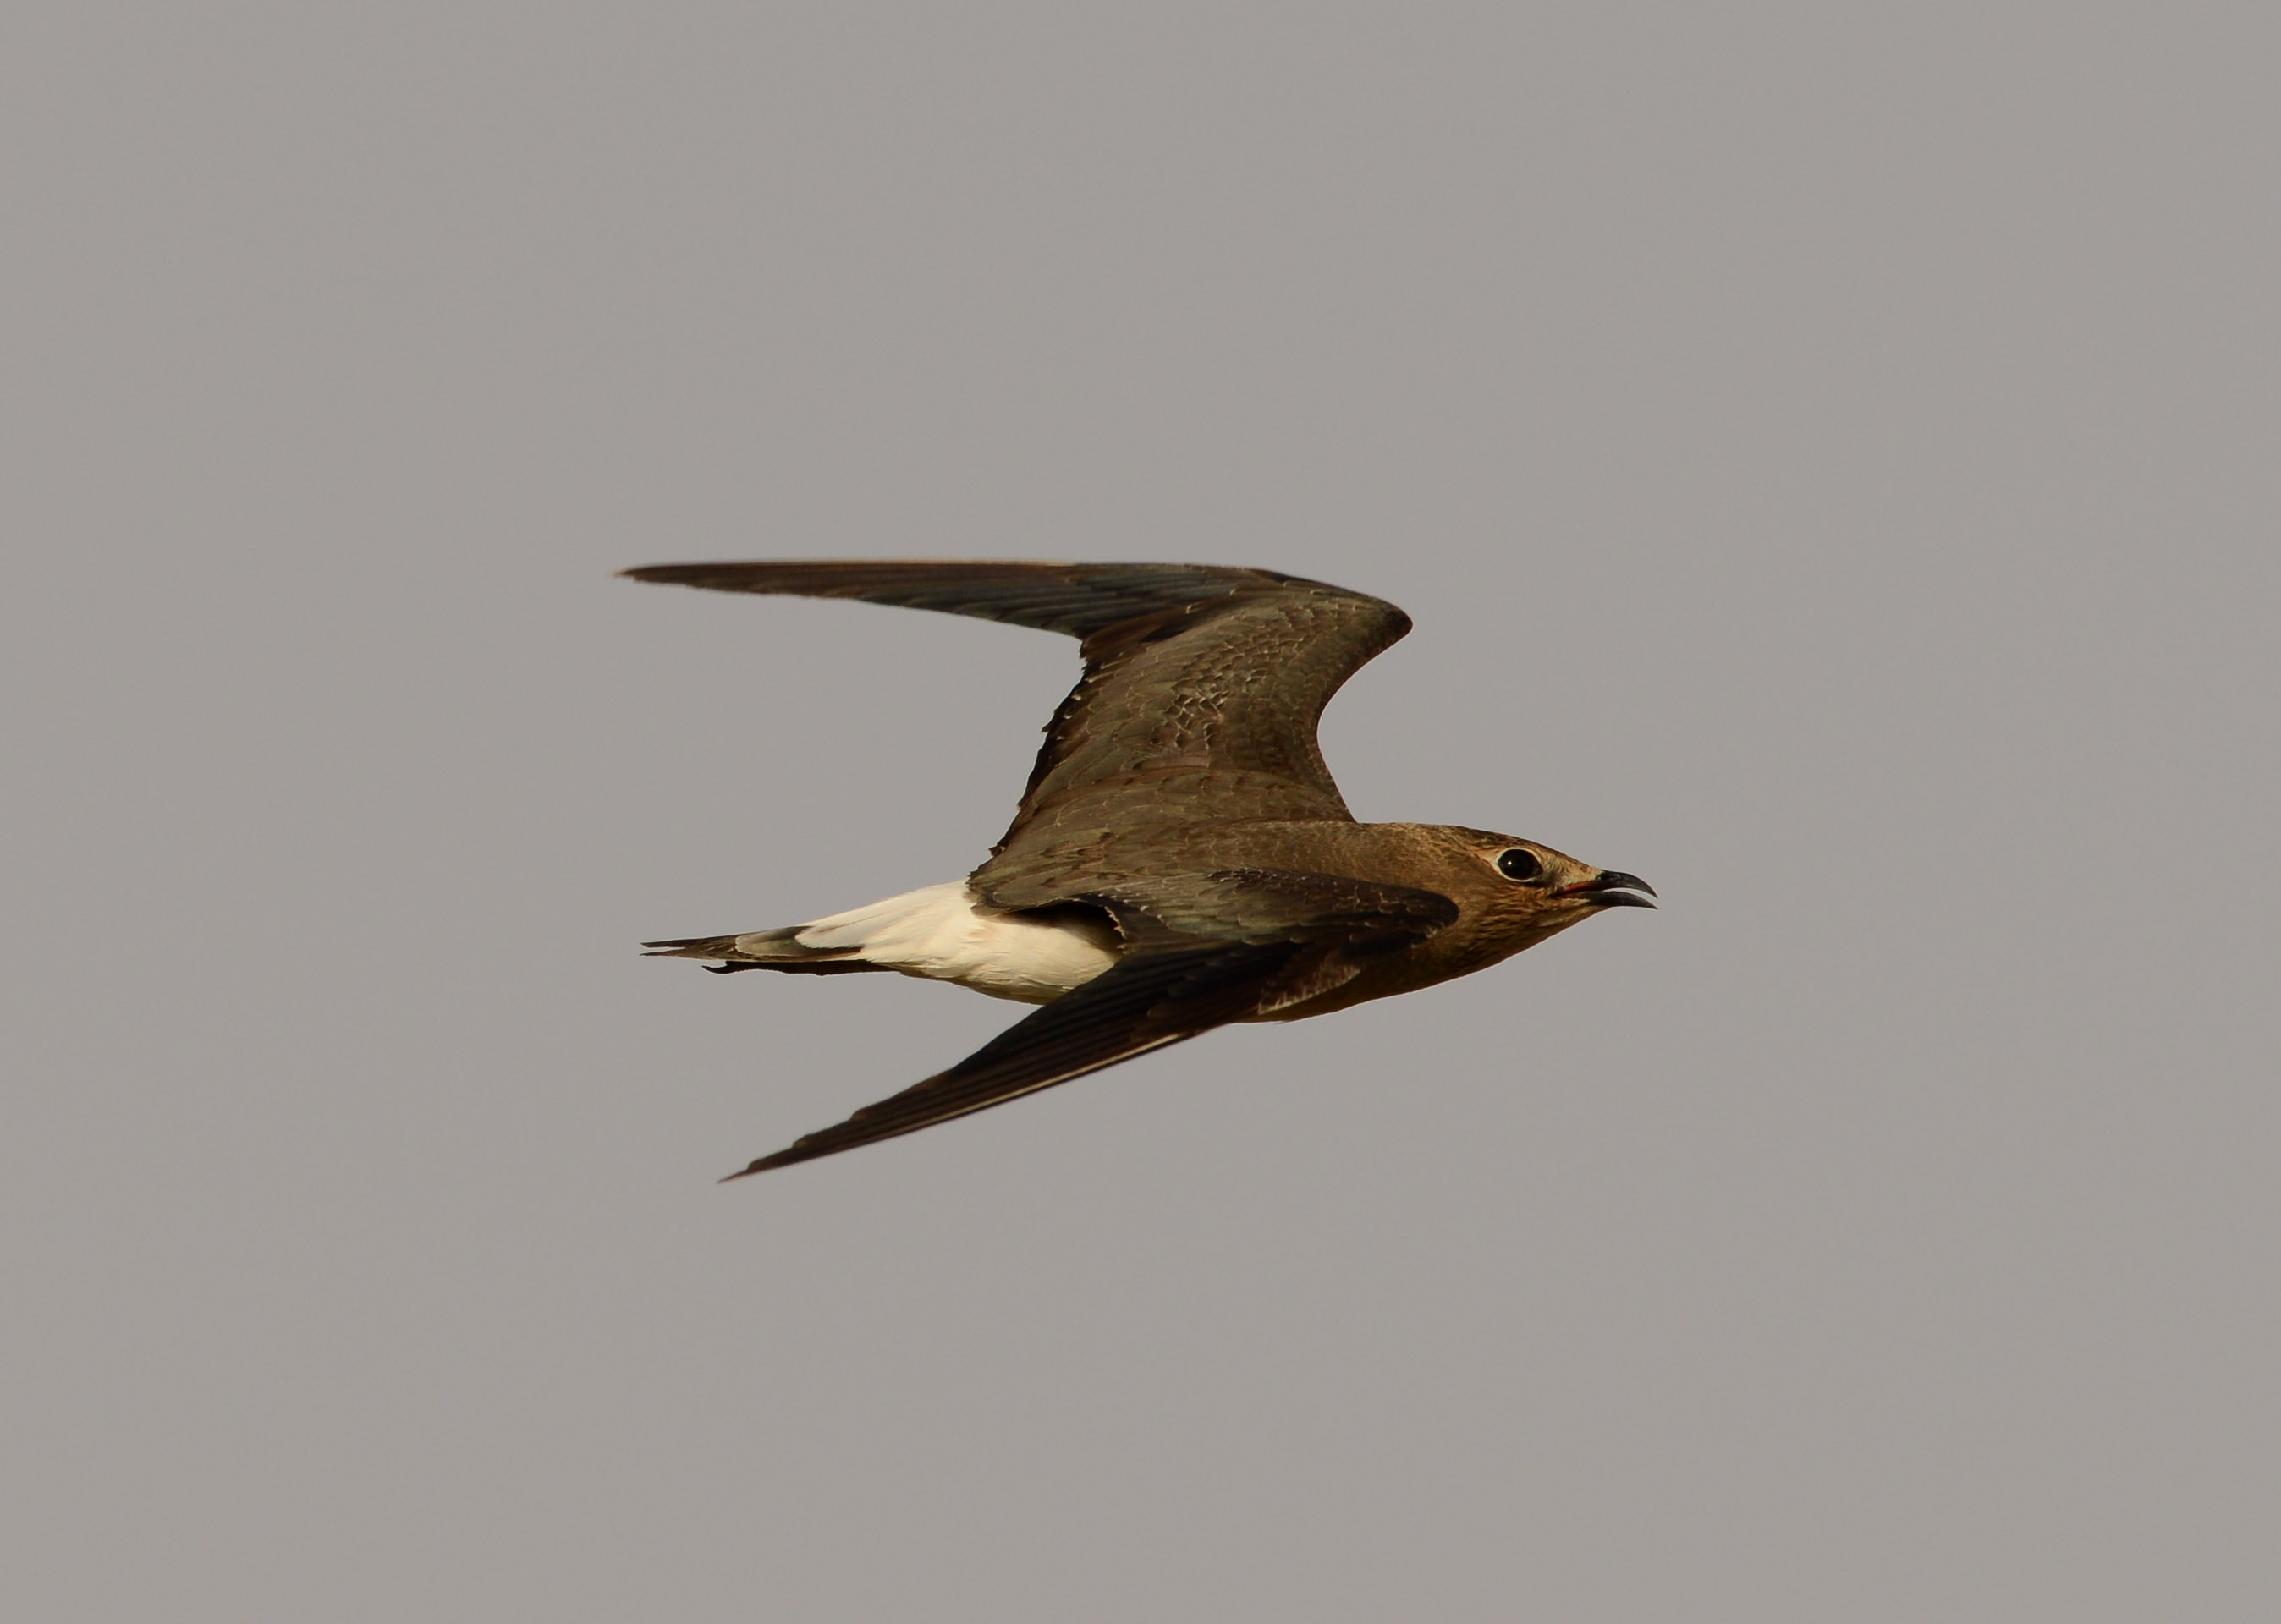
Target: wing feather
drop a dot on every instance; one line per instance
(1225, 948)
(1146, 1001)
(1202, 685)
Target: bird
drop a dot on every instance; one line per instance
(1180, 858)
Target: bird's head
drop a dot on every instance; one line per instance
(1514, 892)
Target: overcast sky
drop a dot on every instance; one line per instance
(1830, 453)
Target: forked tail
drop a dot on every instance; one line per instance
(765, 950)
(941, 932)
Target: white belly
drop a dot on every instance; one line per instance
(942, 933)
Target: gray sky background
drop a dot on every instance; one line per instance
(1830, 453)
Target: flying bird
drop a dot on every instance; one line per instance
(1182, 859)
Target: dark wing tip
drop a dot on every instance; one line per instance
(825, 1141)
(673, 574)
(1142, 586)
(749, 574)
(1080, 600)
(807, 1148)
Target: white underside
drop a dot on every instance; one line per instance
(941, 933)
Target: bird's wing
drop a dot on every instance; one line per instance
(1202, 688)
(1362, 917)
(1223, 949)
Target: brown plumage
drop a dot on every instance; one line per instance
(1182, 859)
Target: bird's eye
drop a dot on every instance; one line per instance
(1518, 864)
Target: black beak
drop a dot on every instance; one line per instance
(1611, 888)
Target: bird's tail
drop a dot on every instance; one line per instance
(765, 950)
(941, 932)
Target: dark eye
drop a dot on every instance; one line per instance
(1518, 864)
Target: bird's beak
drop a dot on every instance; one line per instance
(1611, 888)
